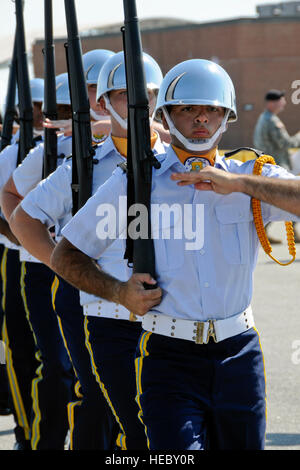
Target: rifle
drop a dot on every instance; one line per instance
(82, 147)
(24, 94)
(140, 158)
(10, 108)
(50, 108)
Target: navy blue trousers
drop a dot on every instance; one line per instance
(52, 386)
(21, 362)
(92, 425)
(112, 345)
(196, 397)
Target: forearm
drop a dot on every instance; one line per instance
(284, 194)
(83, 272)
(9, 201)
(9, 198)
(32, 235)
(6, 231)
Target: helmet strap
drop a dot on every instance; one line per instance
(118, 118)
(196, 145)
(115, 115)
(95, 116)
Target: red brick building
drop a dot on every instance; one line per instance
(258, 53)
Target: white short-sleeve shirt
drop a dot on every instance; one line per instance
(51, 203)
(205, 243)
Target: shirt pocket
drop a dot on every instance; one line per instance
(235, 232)
(169, 254)
(167, 233)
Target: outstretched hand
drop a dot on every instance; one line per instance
(62, 125)
(209, 179)
(136, 298)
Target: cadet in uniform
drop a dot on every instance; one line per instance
(52, 386)
(271, 136)
(111, 331)
(5, 406)
(91, 422)
(92, 425)
(199, 366)
(17, 335)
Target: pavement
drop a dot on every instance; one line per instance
(276, 307)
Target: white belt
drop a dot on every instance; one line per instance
(198, 331)
(99, 309)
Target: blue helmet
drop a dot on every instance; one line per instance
(113, 74)
(36, 89)
(197, 82)
(113, 77)
(62, 89)
(93, 62)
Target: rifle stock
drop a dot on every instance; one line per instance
(82, 148)
(140, 159)
(50, 107)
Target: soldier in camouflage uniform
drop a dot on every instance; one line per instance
(271, 136)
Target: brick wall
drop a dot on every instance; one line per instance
(258, 54)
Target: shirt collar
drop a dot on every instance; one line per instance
(159, 148)
(63, 138)
(185, 155)
(220, 162)
(108, 146)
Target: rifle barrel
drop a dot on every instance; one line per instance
(50, 108)
(10, 108)
(24, 93)
(82, 151)
(139, 147)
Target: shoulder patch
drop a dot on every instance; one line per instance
(257, 153)
(277, 122)
(279, 125)
(98, 139)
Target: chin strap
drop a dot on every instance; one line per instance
(118, 118)
(115, 115)
(96, 116)
(260, 229)
(196, 145)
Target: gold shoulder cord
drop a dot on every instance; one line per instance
(260, 229)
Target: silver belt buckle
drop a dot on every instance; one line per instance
(199, 338)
